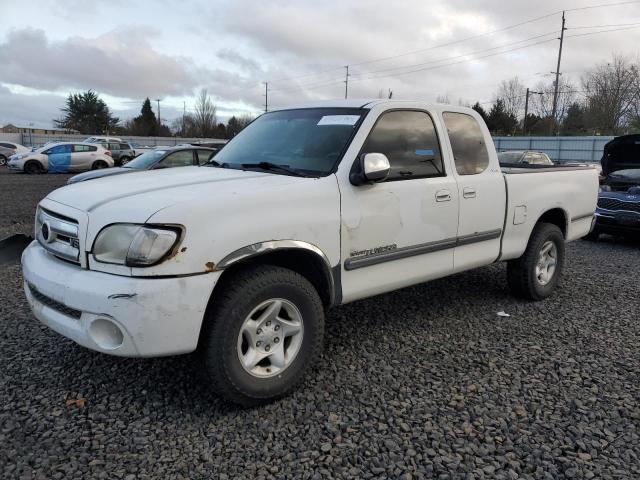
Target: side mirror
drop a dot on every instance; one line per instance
(370, 168)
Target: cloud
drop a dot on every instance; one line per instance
(120, 62)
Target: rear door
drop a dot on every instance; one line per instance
(481, 192)
(82, 157)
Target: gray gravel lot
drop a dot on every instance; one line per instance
(426, 382)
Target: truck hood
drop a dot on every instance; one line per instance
(140, 194)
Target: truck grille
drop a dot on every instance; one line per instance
(615, 204)
(58, 235)
(54, 304)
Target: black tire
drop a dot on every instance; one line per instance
(99, 164)
(124, 160)
(521, 272)
(592, 236)
(33, 167)
(232, 302)
(3, 160)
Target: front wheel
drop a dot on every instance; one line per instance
(3, 160)
(536, 273)
(32, 167)
(263, 331)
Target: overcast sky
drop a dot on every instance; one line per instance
(170, 50)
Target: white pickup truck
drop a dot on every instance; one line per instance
(306, 209)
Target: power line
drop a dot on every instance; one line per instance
(473, 37)
(454, 42)
(601, 5)
(456, 63)
(457, 56)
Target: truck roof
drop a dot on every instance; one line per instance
(367, 103)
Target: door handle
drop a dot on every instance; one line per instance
(469, 192)
(443, 196)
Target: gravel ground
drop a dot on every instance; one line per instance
(426, 382)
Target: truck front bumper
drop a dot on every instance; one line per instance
(125, 316)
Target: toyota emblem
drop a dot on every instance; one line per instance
(46, 232)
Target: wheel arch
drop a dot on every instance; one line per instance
(302, 257)
(555, 216)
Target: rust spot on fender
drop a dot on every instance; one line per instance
(209, 267)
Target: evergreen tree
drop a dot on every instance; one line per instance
(499, 120)
(87, 113)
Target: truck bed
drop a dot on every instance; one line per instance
(531, 191)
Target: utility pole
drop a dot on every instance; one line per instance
(159, 122)
(184, 112)
(266, 97)
(557, 72)
(346, 82)
(526, 109)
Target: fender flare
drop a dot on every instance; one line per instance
(269, 246)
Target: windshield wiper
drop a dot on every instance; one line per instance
(274, 166)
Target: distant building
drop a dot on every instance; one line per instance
(11, 128)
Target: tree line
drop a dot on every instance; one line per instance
(88, 114)
(606, 101)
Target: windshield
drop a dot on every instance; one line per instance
(145, 160)
(309, 141)
(509, 157)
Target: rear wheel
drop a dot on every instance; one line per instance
(99, 164)
(33, 167)
(3, 160)
(537, 272)
(263, 331)
(124, 160)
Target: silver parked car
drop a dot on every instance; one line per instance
(527, 157)
(62, 157)
(10, 148)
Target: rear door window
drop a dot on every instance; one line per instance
(204, 156)
(408, 138)
(124, 146)
(467, 143)
(181, 158)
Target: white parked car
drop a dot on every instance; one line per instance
(305, 209)
(63, 157)
(10, 148)
(101, 139)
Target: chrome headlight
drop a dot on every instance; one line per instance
(134, 245)
(605, 188)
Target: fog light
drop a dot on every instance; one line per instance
(106, 334)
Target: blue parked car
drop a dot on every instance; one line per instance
(618, 210)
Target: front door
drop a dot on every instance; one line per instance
(481, 192)
(401, 231)
(59, 158)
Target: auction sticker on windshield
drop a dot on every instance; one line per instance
(339, 120)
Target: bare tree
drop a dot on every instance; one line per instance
(512, 93)
(443, 99)
(204, 117)
(611, 91)
(542, 105)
